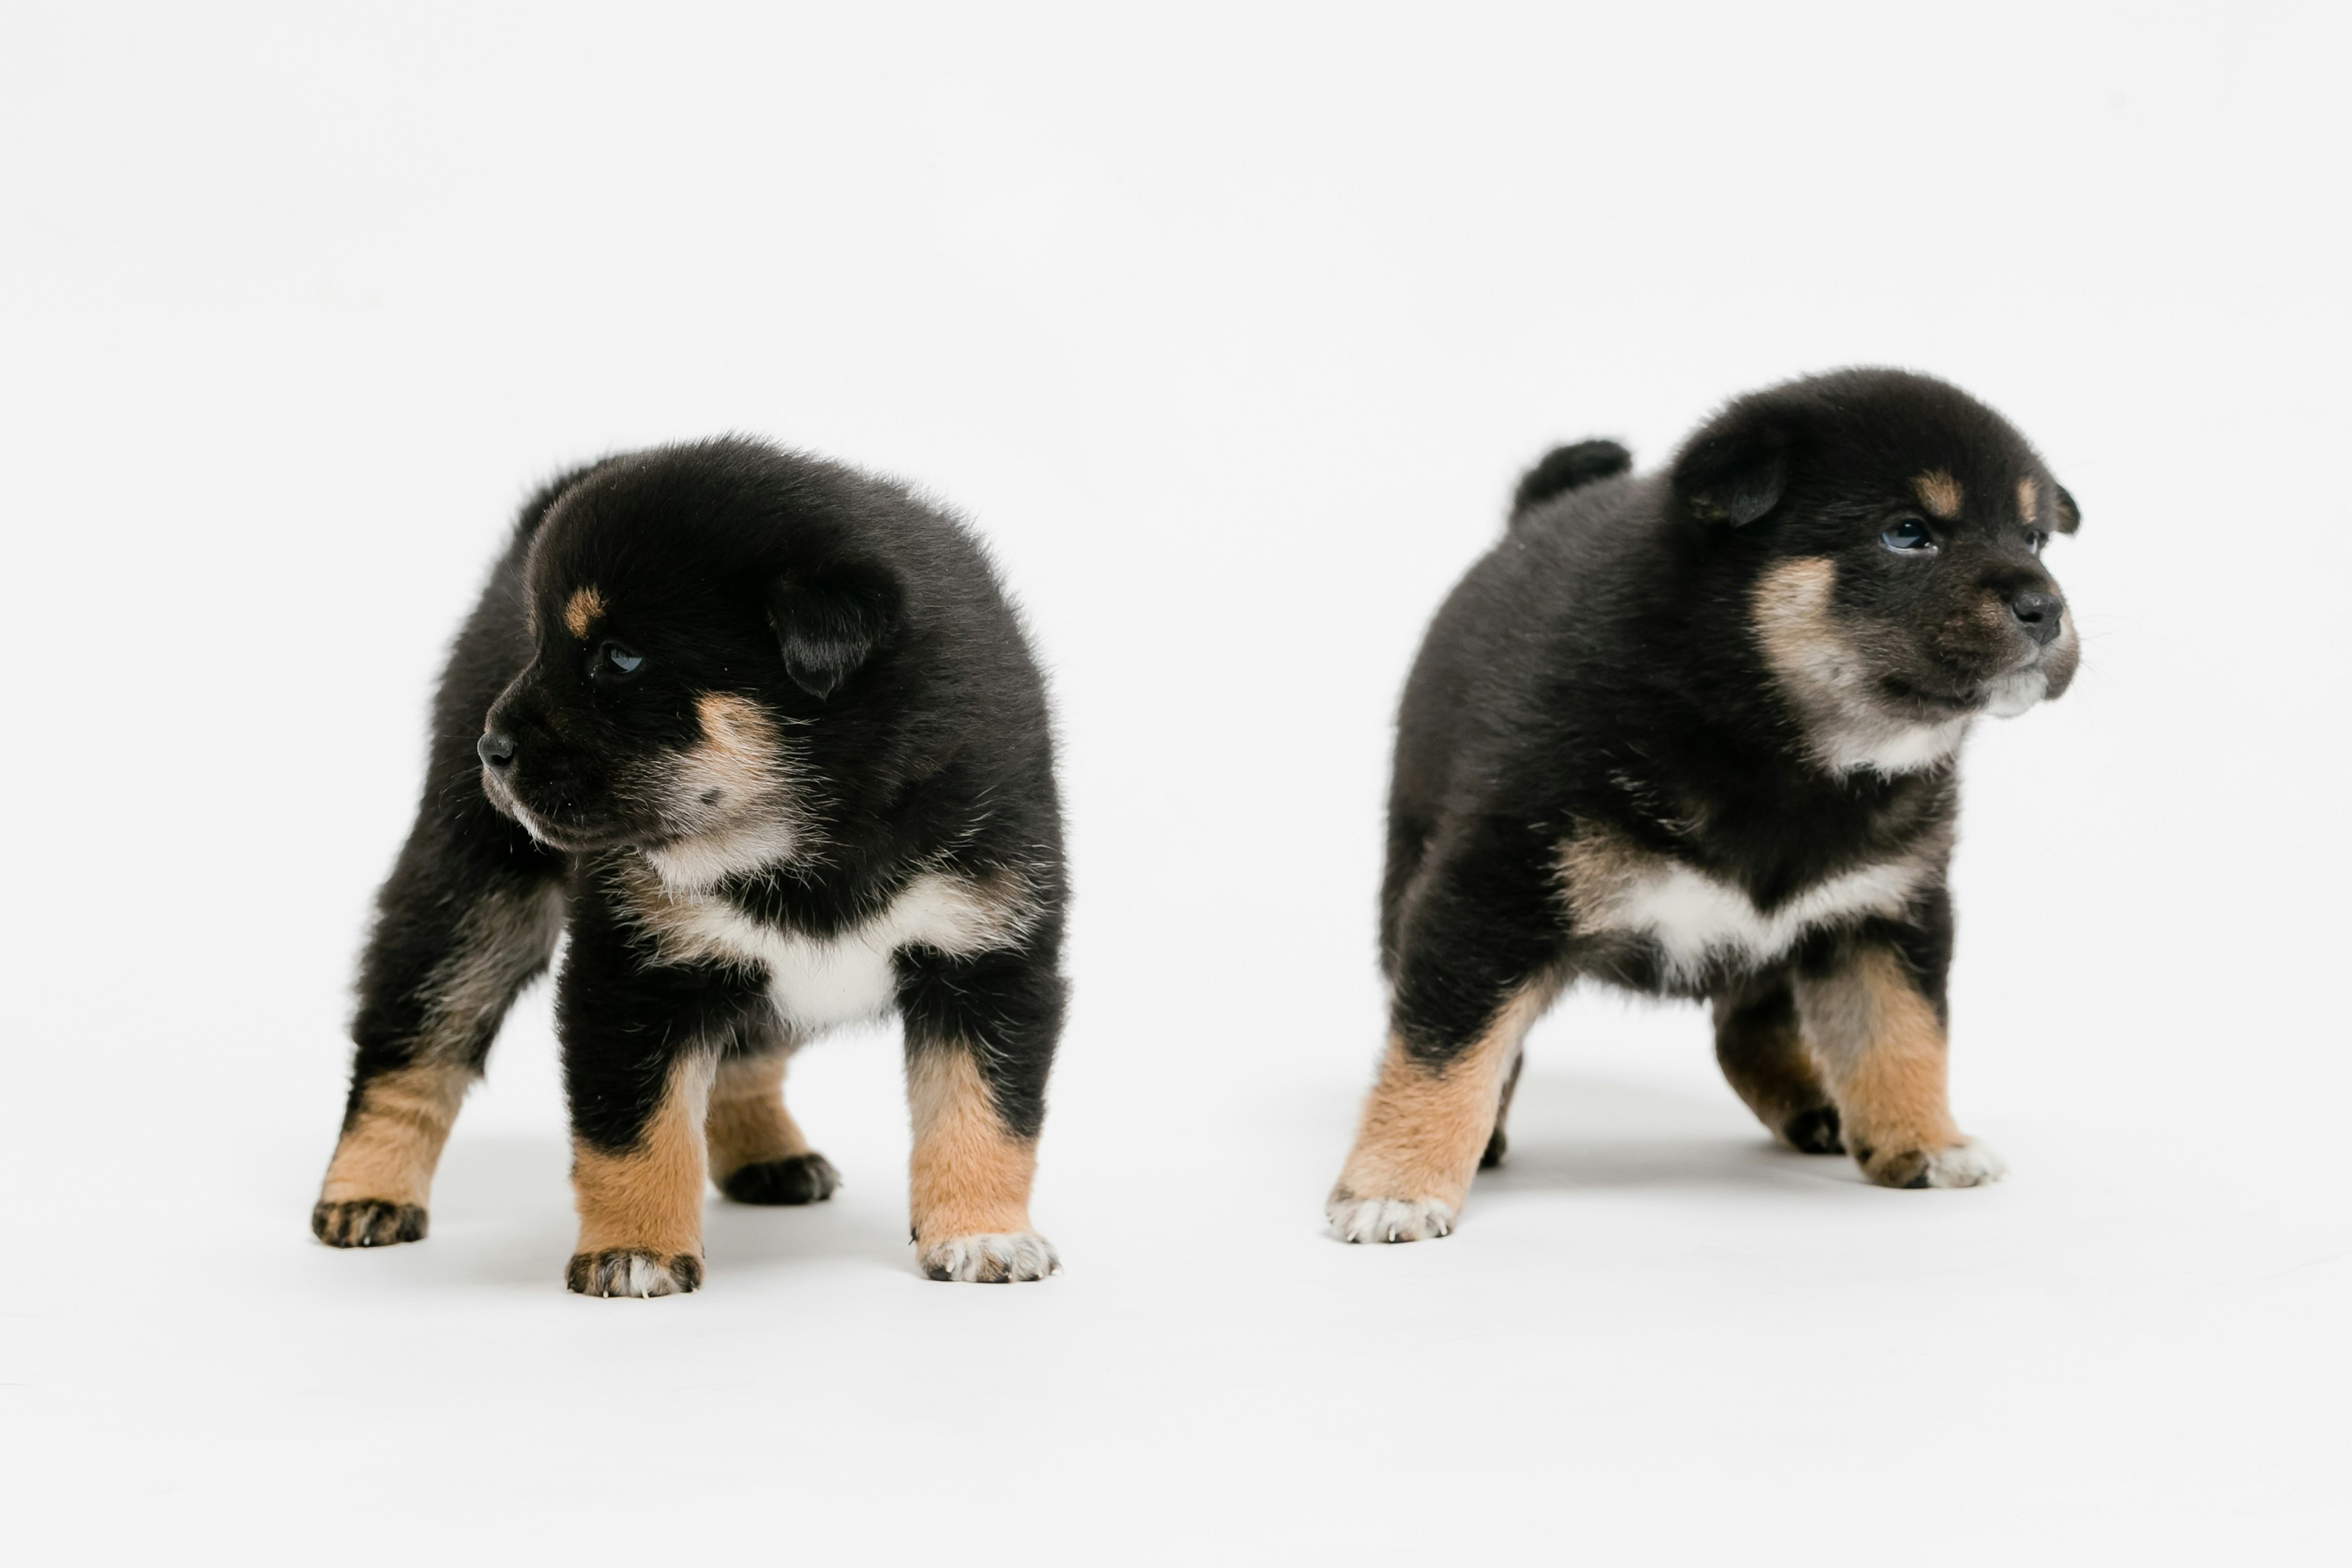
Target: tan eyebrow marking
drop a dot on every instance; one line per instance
(2029, 501)
(582, 611)
(1939, 494)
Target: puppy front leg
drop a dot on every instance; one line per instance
(1881, 1041)
(640, 1050)
(979, 1039)
(641, 1200)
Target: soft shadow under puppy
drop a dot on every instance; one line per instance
(1574, 1131)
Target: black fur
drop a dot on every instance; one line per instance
(1564, 468)
(1601, 676)
(897, 728)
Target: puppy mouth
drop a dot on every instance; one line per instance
(573, 837)
(1926, 702)
(2005, 695)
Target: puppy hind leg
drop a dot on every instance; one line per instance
(1497, 1144)
(1425, 1126)
(1761, 1049)
(444, 965)
(758, 1154)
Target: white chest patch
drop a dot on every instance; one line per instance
(1696, 919)
(819, 981)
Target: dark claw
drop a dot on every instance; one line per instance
(367, 1221)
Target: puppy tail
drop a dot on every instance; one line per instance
(1564, 468)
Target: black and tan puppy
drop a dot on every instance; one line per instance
(1695, 734)
(766, 736)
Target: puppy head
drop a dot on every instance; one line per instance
(1889, 531)
(700, 623)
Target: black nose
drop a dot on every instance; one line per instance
(2041, 615)
(495, 749)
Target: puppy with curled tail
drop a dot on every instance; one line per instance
(1694, 733)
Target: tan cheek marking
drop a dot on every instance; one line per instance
(649, 1196)
(748, 1124)
(1424, 1127)
(738, 754)
(1790, 608)
(393, 1143)
(1939, 494)
(969, 1175)
(582, 610)
(2029, 501)
(1883, 1049)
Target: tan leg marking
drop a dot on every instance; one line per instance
(1939, 494)
(967, 1191)
(1884, 1051)
(2029, 501)
(582, 610)
(382, 1175)
(1423, 1131)
(1761, 1049)
(758, 1153)
(641, 1209)
(748, 1123)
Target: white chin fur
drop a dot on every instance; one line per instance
(2013, 694)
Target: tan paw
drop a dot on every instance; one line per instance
(991, 1259)
(367, 1221)
(631, 1271)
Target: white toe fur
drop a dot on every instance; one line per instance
(1969, 1164)
(995, 1259)
(1390, 1219)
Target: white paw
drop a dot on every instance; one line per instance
(995, 1259)
(1967, 1164)
(1389, 1219)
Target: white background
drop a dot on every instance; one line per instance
(1231, 328)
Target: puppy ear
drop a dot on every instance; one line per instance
(829, 621)
(2070, 516)
(1733, 471)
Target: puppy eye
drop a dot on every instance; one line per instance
(614, 661)
(1909, 537)
(2035, 539)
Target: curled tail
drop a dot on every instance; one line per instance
(1564, 468)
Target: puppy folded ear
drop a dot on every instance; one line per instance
(1733, 471)
(2070, 516)
(829, 621)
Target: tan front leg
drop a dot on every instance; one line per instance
(968, 1191)
(1424, 1127)
(1882, 1047)
(641, 1208)
(377, 1184)
(758, 1154)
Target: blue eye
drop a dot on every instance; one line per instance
(1909, 537)
(612, 660)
